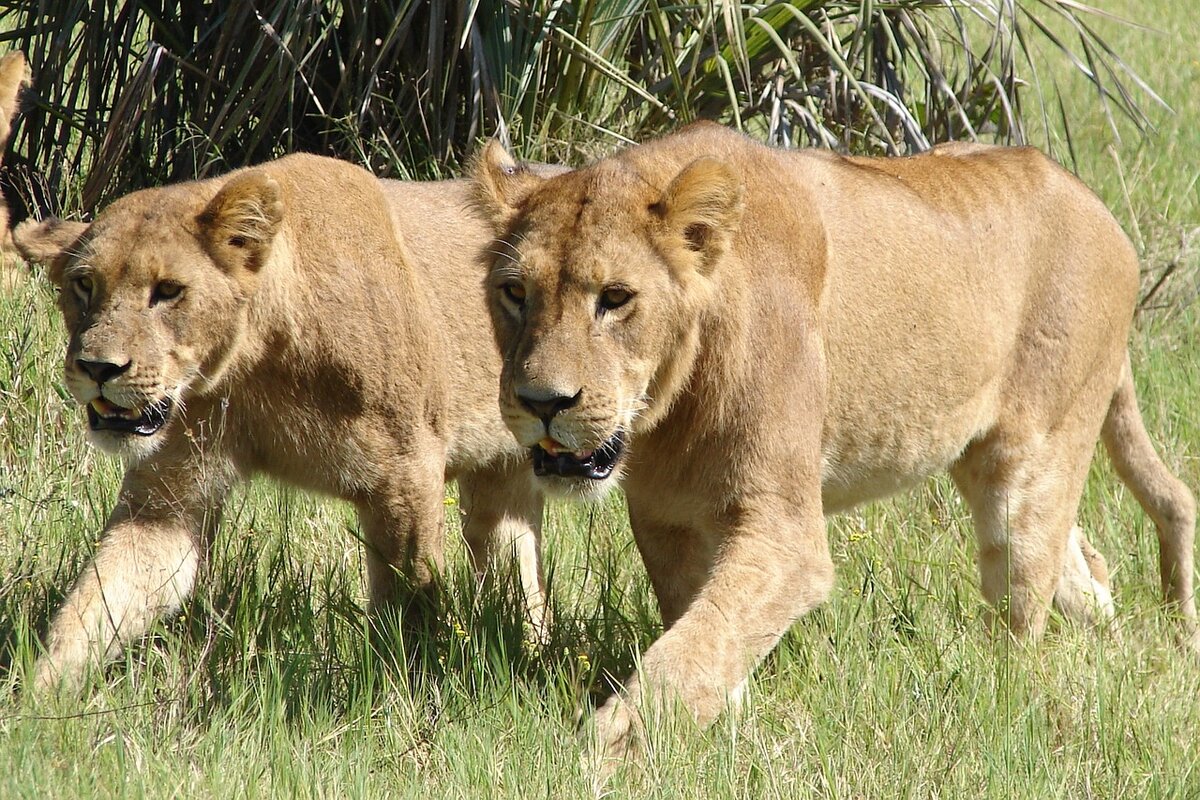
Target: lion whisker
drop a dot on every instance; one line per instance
(506, 256)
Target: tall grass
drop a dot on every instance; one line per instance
(269, 683)
(136, 92)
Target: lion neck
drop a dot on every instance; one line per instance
(265, 319)
(712, 354)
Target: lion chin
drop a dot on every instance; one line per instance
(578, 489)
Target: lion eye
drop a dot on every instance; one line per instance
(83, 286)
(165, 290)
(614, 297)
(515, 292)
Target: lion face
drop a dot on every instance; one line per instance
(153, 296)
(598, 288)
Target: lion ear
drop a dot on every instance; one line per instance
(48, 241)
(501, 184)
(241, 222)
(701, 209)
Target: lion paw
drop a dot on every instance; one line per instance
(613, 737)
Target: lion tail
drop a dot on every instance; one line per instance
(1163, 496)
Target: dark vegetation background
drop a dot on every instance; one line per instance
(131, 93)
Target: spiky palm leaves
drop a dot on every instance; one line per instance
(135, 92)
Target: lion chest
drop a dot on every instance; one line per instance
(320, 433)
(308, 453)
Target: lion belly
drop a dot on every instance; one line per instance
(902, 404)
(915, 371)
(895, 448)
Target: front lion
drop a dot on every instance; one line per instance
(751, 338)
(276, 321)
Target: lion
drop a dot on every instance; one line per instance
(750, 339)
(300, 320)
(14, 76)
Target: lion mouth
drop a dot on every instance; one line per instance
(595, 465)
(104, 415)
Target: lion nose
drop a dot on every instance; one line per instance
(101, 371)
(545, 403)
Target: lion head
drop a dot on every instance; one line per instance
(154, 296)
(599, 287)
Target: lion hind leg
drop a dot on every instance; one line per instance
(1163, 496)
(1024, 493)
(1083, 592)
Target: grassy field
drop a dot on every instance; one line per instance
(267, 685)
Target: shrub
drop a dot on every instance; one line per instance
(130, 93)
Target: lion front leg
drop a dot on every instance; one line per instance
(678, 561)
(403, 532)
(772, 567)
(144, 568)
(140, 572)
(502, 522)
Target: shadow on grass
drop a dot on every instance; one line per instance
(269, 626)
(28, 599)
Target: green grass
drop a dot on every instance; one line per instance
(268, 685)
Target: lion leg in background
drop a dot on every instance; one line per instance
(1163, 496)
(144, 568)
(402, 528)
(772, 567)
(1083, 592)
(678, 561)
(1096, 564)
(502, 521)
(1023, 491)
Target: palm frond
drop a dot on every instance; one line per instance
(132, 93)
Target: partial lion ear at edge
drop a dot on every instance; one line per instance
(244, 217)
(14, 75)
(704, 205)
(501, 184)
(40, 242)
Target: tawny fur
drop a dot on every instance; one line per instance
(14, 76)
(331, 332)
(807, 332)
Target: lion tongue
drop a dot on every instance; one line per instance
(109, 409)
(555, 448)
